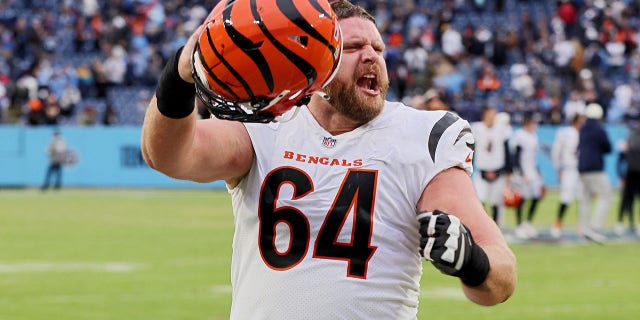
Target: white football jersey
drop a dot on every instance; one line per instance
(564, 151)
(325, 226)
(528, 142)
(490, 153)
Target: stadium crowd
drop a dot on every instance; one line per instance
(92, 61)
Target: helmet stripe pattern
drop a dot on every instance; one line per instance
(304, 24)
(255, 59)
(249, 48)
(294, 16)
(226, 64)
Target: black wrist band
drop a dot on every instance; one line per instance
(175, 97)
(475, 272)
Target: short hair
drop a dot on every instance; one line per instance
(345, 9)
(487, 108)
(528, 119)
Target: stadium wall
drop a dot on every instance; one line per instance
(107, 157)
(110, 157)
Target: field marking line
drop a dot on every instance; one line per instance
(450, 293)
(46, 266)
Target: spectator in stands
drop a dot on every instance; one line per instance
(69, 100)
(593, 146)
(568, 14)
(575, 105)
(521, 80)
(51, 109)
(433, 100)
(4, 100)
(56, 151)
(116, 66)
(488, 81)
(564, 50)
(110, 116)
(452, 45)
(35, 113)
(100, 78)
(87, 117)
(416, 57)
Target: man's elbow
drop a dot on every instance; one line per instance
(499, 285)
(147, 158)
(156, 163)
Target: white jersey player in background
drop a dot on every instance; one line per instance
(492, 162)
(334, 208)
(525, 169)
(564, 155)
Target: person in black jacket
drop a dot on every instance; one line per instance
(631, 177)
(594, 144)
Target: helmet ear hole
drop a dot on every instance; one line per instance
(255, 46)
(302, 40)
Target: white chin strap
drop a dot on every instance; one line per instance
(281, 117)
(323, 95)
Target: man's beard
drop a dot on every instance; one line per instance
(348, 101)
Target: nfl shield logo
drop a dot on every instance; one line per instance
(329, 142)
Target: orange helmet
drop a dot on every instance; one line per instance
(256, 59)
(511, 198)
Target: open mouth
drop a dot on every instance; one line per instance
(368, 83)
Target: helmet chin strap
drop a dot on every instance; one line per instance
(282, 119)
(323, 95)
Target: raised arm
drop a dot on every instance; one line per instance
(452, 192)
(179, 145)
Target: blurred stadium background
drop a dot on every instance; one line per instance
(88, 69)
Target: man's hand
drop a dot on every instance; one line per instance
(448, 244)
(184, 63)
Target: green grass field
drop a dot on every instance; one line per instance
(165, 254)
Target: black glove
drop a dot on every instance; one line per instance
(447, 243)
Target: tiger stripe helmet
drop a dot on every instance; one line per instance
(257, 59)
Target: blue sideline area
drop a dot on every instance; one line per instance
(110, 157)
(107, 157)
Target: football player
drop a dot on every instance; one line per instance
(564, 155)
(492, 160)
(525, 167)
(335, 206)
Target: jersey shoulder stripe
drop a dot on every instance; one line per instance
(438, 129)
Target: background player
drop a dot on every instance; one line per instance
(491, 160)
(525, 167)
(564, 155)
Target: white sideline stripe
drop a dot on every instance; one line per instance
(451, 293)
(220, 290)
(113, 267)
